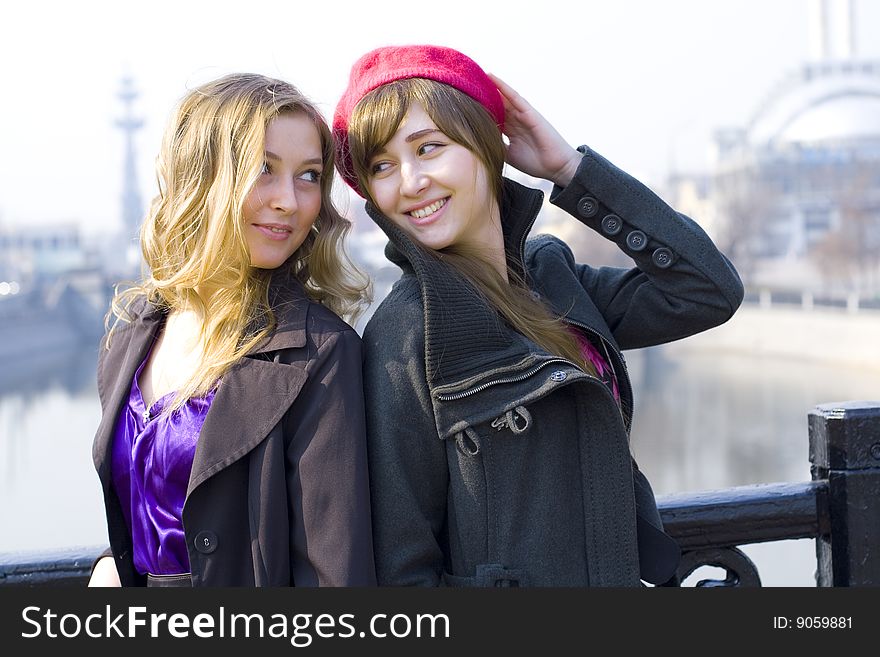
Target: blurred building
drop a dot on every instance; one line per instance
(794, 196)
(31, 254)
(53, 291)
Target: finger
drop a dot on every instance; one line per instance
(505, 101)
(503, 87)
(509, 94)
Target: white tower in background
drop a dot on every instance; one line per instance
(832, 30)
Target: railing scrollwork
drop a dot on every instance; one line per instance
(740, 570)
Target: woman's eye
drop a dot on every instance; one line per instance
(429, 147)
(312, 175)
(380, 167)
(266, 168)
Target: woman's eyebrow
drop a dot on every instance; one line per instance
(419, 134)
(272, 156)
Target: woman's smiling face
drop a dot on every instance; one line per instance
(433, 188)
(284, 202)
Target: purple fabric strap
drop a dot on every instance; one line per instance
(152, 460)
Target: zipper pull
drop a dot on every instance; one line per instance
(509, 420)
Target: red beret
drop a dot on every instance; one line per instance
(391, 63)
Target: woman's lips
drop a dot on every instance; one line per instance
(437, 206)
(277, 232)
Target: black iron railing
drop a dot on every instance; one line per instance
(840, 508)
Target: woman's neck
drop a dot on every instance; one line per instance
(177, 354)
(490, 241)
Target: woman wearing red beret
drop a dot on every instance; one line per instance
(498, 401)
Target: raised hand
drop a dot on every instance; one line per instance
(535, 148)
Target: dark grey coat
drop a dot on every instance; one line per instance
(278, 494)
(496, 463)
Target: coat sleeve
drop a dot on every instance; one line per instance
(408, 468)
(327, 471)
(681, 284)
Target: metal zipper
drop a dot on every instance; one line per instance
(510, 379)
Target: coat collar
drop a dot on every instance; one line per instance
(289, 302)
(454, 311)
(252, 396)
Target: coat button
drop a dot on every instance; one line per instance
(636, 240)
(611, 224)
(206, 542)
(662, 257)
(588, 207)
(558, 375)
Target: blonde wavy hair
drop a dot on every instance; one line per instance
(375, 120)
(192, 238)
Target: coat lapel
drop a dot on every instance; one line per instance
(132, 343)
(251, 399)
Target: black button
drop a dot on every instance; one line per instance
(611, 224)
(588, 207)
(206, 542)
(636, 240)
(662, 257)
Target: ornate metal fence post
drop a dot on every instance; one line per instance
(845, 452)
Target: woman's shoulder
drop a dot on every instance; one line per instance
(544, 247)
(295, 310)
(399, 315)
(128, 309)
(307, 333)
(303, 321)
(123, 318)
(322, 319)
(403, 300)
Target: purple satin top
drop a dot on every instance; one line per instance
(152, 461)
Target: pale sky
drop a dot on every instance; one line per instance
(644, 82)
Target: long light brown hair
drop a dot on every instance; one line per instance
(192, 238)
(374, 122)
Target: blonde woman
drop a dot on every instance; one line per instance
(231, 449)
(498, 401)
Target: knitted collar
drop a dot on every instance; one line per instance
(463, 335)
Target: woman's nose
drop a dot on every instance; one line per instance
(412, 179)
(283, 197)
